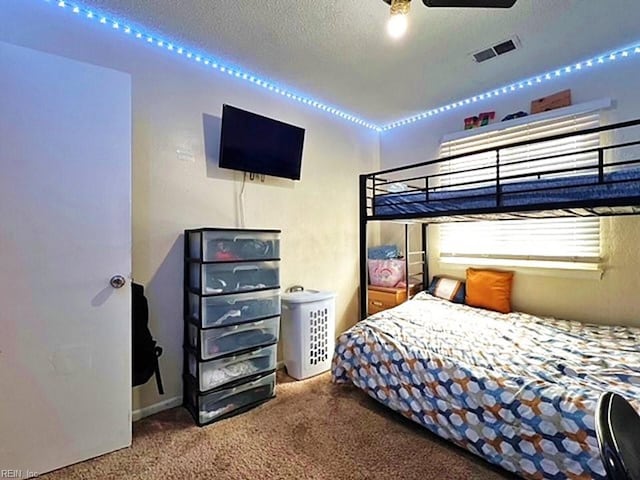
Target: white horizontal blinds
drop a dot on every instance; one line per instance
(556, 239)
(561, 239)
(524, 160)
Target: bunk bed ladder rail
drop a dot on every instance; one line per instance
(368, 183)
(364, 214)
(407, 287)
(498, 186)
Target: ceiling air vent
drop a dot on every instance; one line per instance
(499, 49)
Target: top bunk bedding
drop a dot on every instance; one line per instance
(517, 389)
(550, 192)
(586, 172)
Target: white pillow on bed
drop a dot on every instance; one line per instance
(448, 288)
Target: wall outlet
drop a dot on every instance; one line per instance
(185, 155)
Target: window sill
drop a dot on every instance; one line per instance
(584, 271)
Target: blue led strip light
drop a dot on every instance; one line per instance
(609, 57)
(210, 62)
(206, 60)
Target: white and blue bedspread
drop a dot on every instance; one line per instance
(518, 390)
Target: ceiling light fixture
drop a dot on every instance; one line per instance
(398, 22)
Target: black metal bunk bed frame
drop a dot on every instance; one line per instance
(376, 185)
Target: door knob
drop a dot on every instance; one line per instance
(117, 281)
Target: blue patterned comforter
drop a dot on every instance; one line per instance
(620, 184)
(518, 390)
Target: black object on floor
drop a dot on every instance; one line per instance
(618, 432)
(145, 352)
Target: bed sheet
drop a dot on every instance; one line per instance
(516, 389)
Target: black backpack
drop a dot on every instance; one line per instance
(145, 352)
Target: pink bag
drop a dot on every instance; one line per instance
(386, 273)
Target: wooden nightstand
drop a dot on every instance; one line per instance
(383, 298)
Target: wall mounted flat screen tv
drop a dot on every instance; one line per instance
(252, 143)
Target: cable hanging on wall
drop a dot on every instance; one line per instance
(241, 200)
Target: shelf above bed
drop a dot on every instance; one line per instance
(577, 109)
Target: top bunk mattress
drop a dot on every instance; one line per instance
(551, 191)
(517, 389)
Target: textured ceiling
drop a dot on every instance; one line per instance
(338, 50)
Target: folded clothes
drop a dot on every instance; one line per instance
(226, 313)
(239, 341)
(230, 281)
(208, 415)
(229, 314)
(214, 377)
(241, 249)
(236, 401)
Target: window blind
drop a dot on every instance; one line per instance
(548, 240)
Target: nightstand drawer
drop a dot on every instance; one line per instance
(381, 298)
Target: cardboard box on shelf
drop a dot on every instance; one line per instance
(551, 102)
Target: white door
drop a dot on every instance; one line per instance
(65, 230)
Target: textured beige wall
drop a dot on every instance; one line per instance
(613, 299)
(318, 215)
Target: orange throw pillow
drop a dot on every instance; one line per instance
(490, 289)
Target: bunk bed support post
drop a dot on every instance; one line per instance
(498, 185)
(425, 258)
(406, 261)
(600, 165)
(426, 188)
(363, 247)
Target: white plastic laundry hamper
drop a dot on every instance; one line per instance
(308, 332)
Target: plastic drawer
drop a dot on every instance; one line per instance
(212, 406)
(224, 310)
(234, 245)
(223, 278)
(217, 342)
(216, 373)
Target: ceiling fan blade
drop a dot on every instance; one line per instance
(470, 3)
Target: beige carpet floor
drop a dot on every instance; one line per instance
(312, 430)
